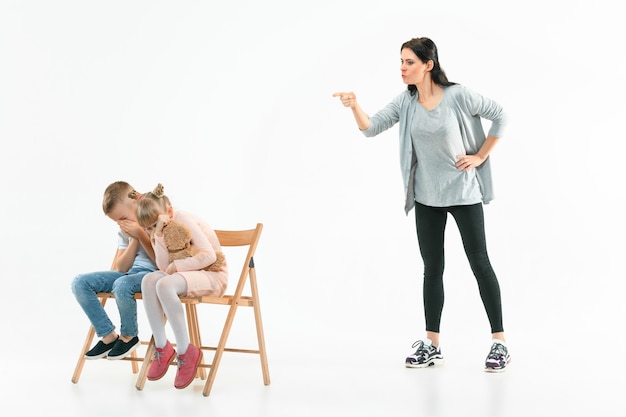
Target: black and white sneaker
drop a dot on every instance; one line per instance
(425, 355)
(122, 349)
(498, 357)
(100, 350)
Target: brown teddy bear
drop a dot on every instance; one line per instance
(178, 242)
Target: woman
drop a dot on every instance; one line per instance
(445, 168)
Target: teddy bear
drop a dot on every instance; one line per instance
(177, 239)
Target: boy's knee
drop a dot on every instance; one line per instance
(77, 283)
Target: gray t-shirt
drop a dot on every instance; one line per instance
(142, 260)
(468, 108)
(437, 141)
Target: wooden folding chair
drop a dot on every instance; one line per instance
(241, 238)
(134, 358)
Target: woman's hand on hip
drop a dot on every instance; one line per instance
(467, 162)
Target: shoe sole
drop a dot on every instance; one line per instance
(194, 374)
(164, 371)
(125, 354)
(496, 370)
(432, 362)
(102, 355)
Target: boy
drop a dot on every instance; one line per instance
(134, 259)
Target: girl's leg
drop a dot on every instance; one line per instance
(168, 289)
(431, 224)
(470, 220)
(152, 305)
(85, 287)
(124, 289)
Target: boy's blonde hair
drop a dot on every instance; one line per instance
(114, 194)
(150, 205)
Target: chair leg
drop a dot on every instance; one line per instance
(220, 349)
(81, 360)
(194, 334)
(133, 362)
(259, 327)
(88, 340)
(143, 373)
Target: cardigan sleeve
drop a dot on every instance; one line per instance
(486, 108)
(385, 118)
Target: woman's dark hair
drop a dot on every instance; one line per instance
(426, 50)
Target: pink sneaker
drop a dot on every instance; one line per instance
(161, 362)
(187, 366)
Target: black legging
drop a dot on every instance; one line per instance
(431, 225)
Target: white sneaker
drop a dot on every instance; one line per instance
(498, 357)
(426, 355)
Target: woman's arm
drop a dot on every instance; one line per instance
(348, 99)
(467, 162)
(483, 107)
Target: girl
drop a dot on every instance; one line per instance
(183, 277)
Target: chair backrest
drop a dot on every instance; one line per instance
(238, 237)
(248, 238)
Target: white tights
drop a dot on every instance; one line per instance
(160, 297)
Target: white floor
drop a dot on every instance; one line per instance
(358, 385)
(337, 334)
(556, 370)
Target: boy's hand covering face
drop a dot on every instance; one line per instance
(129, 227)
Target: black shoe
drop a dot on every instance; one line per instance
(122, 349)
(100, 350)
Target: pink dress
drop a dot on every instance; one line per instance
(199, 282)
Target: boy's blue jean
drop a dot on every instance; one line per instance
(122, 285)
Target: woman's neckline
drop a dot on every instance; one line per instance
(432, 104)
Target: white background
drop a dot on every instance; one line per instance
(229, 105)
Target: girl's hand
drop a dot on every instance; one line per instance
(171, 269)
(467, 162)
(162, 221)
(348, 99)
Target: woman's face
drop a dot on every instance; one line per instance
(412, 68)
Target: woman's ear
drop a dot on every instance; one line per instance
(170, 212)
(430, 65)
